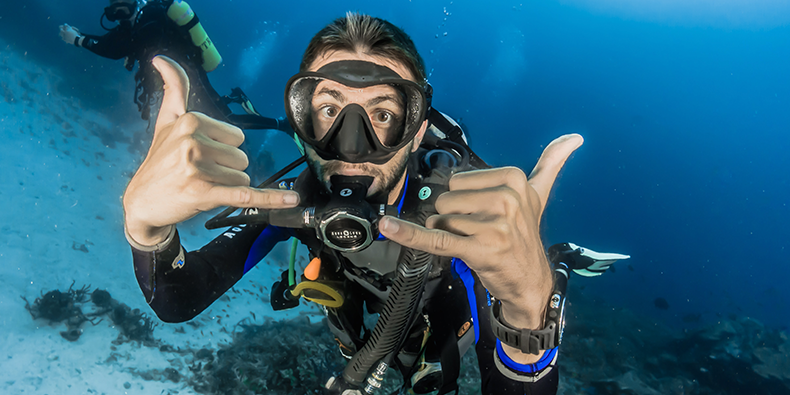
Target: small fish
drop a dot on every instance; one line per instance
(631, 267)
(661, 304)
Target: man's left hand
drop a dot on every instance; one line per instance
(68, 33)
(491, 219)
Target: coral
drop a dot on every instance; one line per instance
(614, 351)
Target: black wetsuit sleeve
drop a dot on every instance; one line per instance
(499, 374)
(259, 122)
(179, 285)
(113, 45)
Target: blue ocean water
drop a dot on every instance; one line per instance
(684, 107)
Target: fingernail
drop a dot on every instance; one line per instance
(389, 225)
(290, 198)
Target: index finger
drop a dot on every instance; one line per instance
(433, 241)
(244, 196)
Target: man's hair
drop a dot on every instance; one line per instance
(364, 33)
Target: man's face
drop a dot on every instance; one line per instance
(384, 106)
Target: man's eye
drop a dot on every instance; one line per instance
(382, 117)
(329, 111)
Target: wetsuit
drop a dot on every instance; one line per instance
(154, 33)
(179, 285)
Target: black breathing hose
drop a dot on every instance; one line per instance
(400, 309)
(396, 318)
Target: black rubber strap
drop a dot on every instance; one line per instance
(77, 41)
(454, 133)
(191, 23)
(526, 340)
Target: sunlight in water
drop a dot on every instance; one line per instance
(748, 14)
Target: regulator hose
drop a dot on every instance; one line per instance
(396, 317)
(401, 306)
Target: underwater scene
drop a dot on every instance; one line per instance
(674, 212)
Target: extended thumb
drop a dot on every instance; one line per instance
(176, 86)
(551, 161)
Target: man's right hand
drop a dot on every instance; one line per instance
(193, 165)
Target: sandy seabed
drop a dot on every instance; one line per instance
(64, 168)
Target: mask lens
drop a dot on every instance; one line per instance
(355, 111)
(299, 99)
(316, 103)
(118, 11)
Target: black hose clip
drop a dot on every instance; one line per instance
(281, 297)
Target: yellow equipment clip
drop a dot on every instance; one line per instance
(319, 293)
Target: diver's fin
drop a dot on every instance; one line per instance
(584, 261)
(238, 96)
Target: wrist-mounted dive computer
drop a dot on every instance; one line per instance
(531, 341)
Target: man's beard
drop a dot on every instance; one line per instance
(387, 175)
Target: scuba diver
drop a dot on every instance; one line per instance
(402, 221)
(167, 27)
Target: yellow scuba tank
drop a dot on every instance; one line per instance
(181, 13)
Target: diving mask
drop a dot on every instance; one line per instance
(120, 11)
(355, 111)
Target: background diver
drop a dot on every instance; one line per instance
(168, 27)
(401, 220)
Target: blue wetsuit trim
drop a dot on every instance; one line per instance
(544, 361)
(400, 204)
(264, 244)
(465, 273)
(403, 196)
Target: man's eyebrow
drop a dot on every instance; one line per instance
(379, 99)
(331, 92)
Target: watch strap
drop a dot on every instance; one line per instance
(527, 340)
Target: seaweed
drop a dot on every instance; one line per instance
(58, 306)
(278, 357)
(288, 357)
(134, 324)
